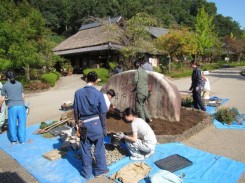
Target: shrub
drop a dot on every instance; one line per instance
(112, 65)
(57, 73)
(186, 102)
(226, 114)
(101, 72)
(49, 78)
(36, 85)
(157, 69)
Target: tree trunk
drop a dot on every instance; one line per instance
(27, 72)
(239, 56)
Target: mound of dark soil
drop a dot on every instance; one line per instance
(189, 118)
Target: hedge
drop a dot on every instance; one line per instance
(50, 78)
(101, 72)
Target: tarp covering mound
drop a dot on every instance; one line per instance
(206, 167)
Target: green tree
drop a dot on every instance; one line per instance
(225, 26)
(137, 39)
(24, 40)
(177, 43)
(205, 35)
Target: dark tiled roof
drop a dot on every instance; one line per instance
(96, 24)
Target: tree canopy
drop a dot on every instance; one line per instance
(24, 40)
(65, 17)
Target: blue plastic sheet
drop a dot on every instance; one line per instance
(233, 125)
(211, 110)
(222, 125)
(206, 167)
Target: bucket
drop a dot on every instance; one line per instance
(113, 140)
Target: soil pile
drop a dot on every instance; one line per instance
(188, 119)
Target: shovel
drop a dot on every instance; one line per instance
(41, 131)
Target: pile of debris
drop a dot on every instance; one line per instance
(65, 128)
(67, 105)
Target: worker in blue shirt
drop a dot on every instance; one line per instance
(90, 114)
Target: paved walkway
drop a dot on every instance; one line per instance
(225, 83)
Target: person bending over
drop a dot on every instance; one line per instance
(108, 96)
(142, 142)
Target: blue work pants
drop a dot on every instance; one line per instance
(17, 123)
(94, 137)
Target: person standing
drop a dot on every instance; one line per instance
(12, 92)
(141, 81)
(90, 114)
(119, 68)
(147, 66)
(196, 86)
(2, 112)
(142, 142)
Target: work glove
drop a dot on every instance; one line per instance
(104, 131)
(120, 135)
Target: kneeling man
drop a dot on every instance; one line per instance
(142, 142)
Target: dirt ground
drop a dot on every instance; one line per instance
(188, 119)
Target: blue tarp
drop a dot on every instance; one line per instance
(233, 125)
(206, 167)
(218, 124)
(211, 110)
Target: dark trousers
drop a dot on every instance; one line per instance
(197, 99)
(141, 109)
(94, 137)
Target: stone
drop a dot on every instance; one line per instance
(66, 146)
(165, 99)
(54, 154)
(75, 146)
(63, 138)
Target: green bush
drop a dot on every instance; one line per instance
(101, 72)
(186, 102)
(184, 73)
(226, 114)
(49, 78)
(112, 65)
(157, 69)
(57, 73)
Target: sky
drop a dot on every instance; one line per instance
(232, 8)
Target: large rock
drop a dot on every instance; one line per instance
(165, 99)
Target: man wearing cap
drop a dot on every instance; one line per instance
(90, 113)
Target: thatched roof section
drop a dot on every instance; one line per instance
(157, 31)
(93, 37)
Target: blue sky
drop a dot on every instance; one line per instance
(232, 8)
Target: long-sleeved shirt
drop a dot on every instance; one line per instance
(141, 81)
(89, 102)
(196, 78)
